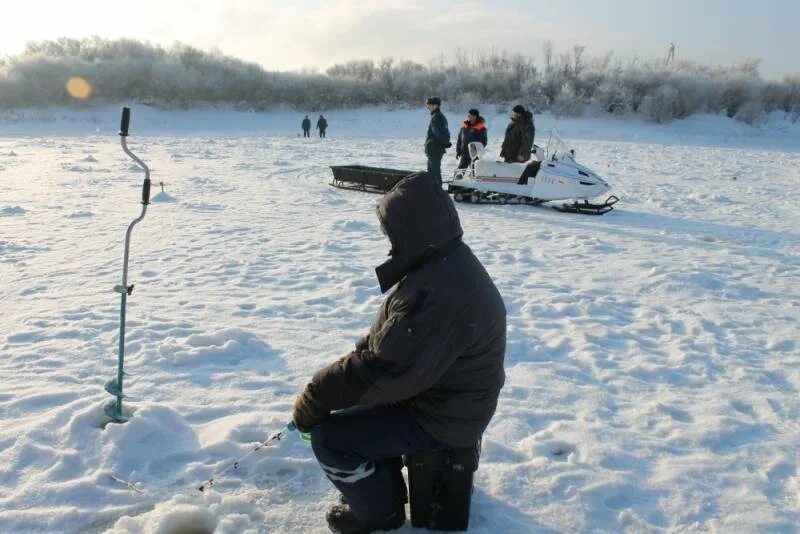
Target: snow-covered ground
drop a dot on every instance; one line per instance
(653, 368)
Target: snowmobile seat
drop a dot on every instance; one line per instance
(440, 487)
(531, 170)
(498, 171)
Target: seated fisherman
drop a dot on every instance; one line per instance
(427, 375)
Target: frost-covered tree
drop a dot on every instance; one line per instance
(564, 81)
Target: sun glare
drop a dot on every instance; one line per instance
(79, 88)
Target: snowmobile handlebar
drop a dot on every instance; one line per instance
(125, 122)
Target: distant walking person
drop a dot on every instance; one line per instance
(472, 129)
(306, 127)
(670, 54)
(518, 141)
(322, 125)
(437, 140)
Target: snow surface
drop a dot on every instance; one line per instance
(653, 369)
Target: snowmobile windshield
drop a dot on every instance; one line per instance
(557, 148)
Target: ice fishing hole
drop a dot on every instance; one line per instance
(185, 520)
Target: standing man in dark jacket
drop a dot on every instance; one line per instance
(322, 125)
(437, 139)
(306, 127)
(426, 376)
(518, 142)
(472, 129)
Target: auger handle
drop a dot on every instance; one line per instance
(146, 191)
(125, 122)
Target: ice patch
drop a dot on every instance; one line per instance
(722, 199)
(355, 226)
(205, 207)
(77, 168)
(80, 215)
(781, 345)
(11, 210)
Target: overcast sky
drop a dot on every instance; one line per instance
(294, 35)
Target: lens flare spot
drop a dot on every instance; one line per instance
(79, 88)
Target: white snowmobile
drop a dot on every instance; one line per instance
(550, 175)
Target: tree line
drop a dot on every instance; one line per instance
(566, 83)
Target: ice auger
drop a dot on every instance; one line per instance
(114, 408)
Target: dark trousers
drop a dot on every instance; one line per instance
(435, 167)
(306, 132)
(464, 161)
(360, 452)
(322, 132)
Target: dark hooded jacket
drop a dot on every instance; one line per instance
(518, 140)
(437, 139)
(438, 341)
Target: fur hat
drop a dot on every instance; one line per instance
(518, 109)
(474, 112)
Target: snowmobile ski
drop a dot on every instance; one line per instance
(586, 208)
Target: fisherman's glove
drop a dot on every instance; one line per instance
(308, 412)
